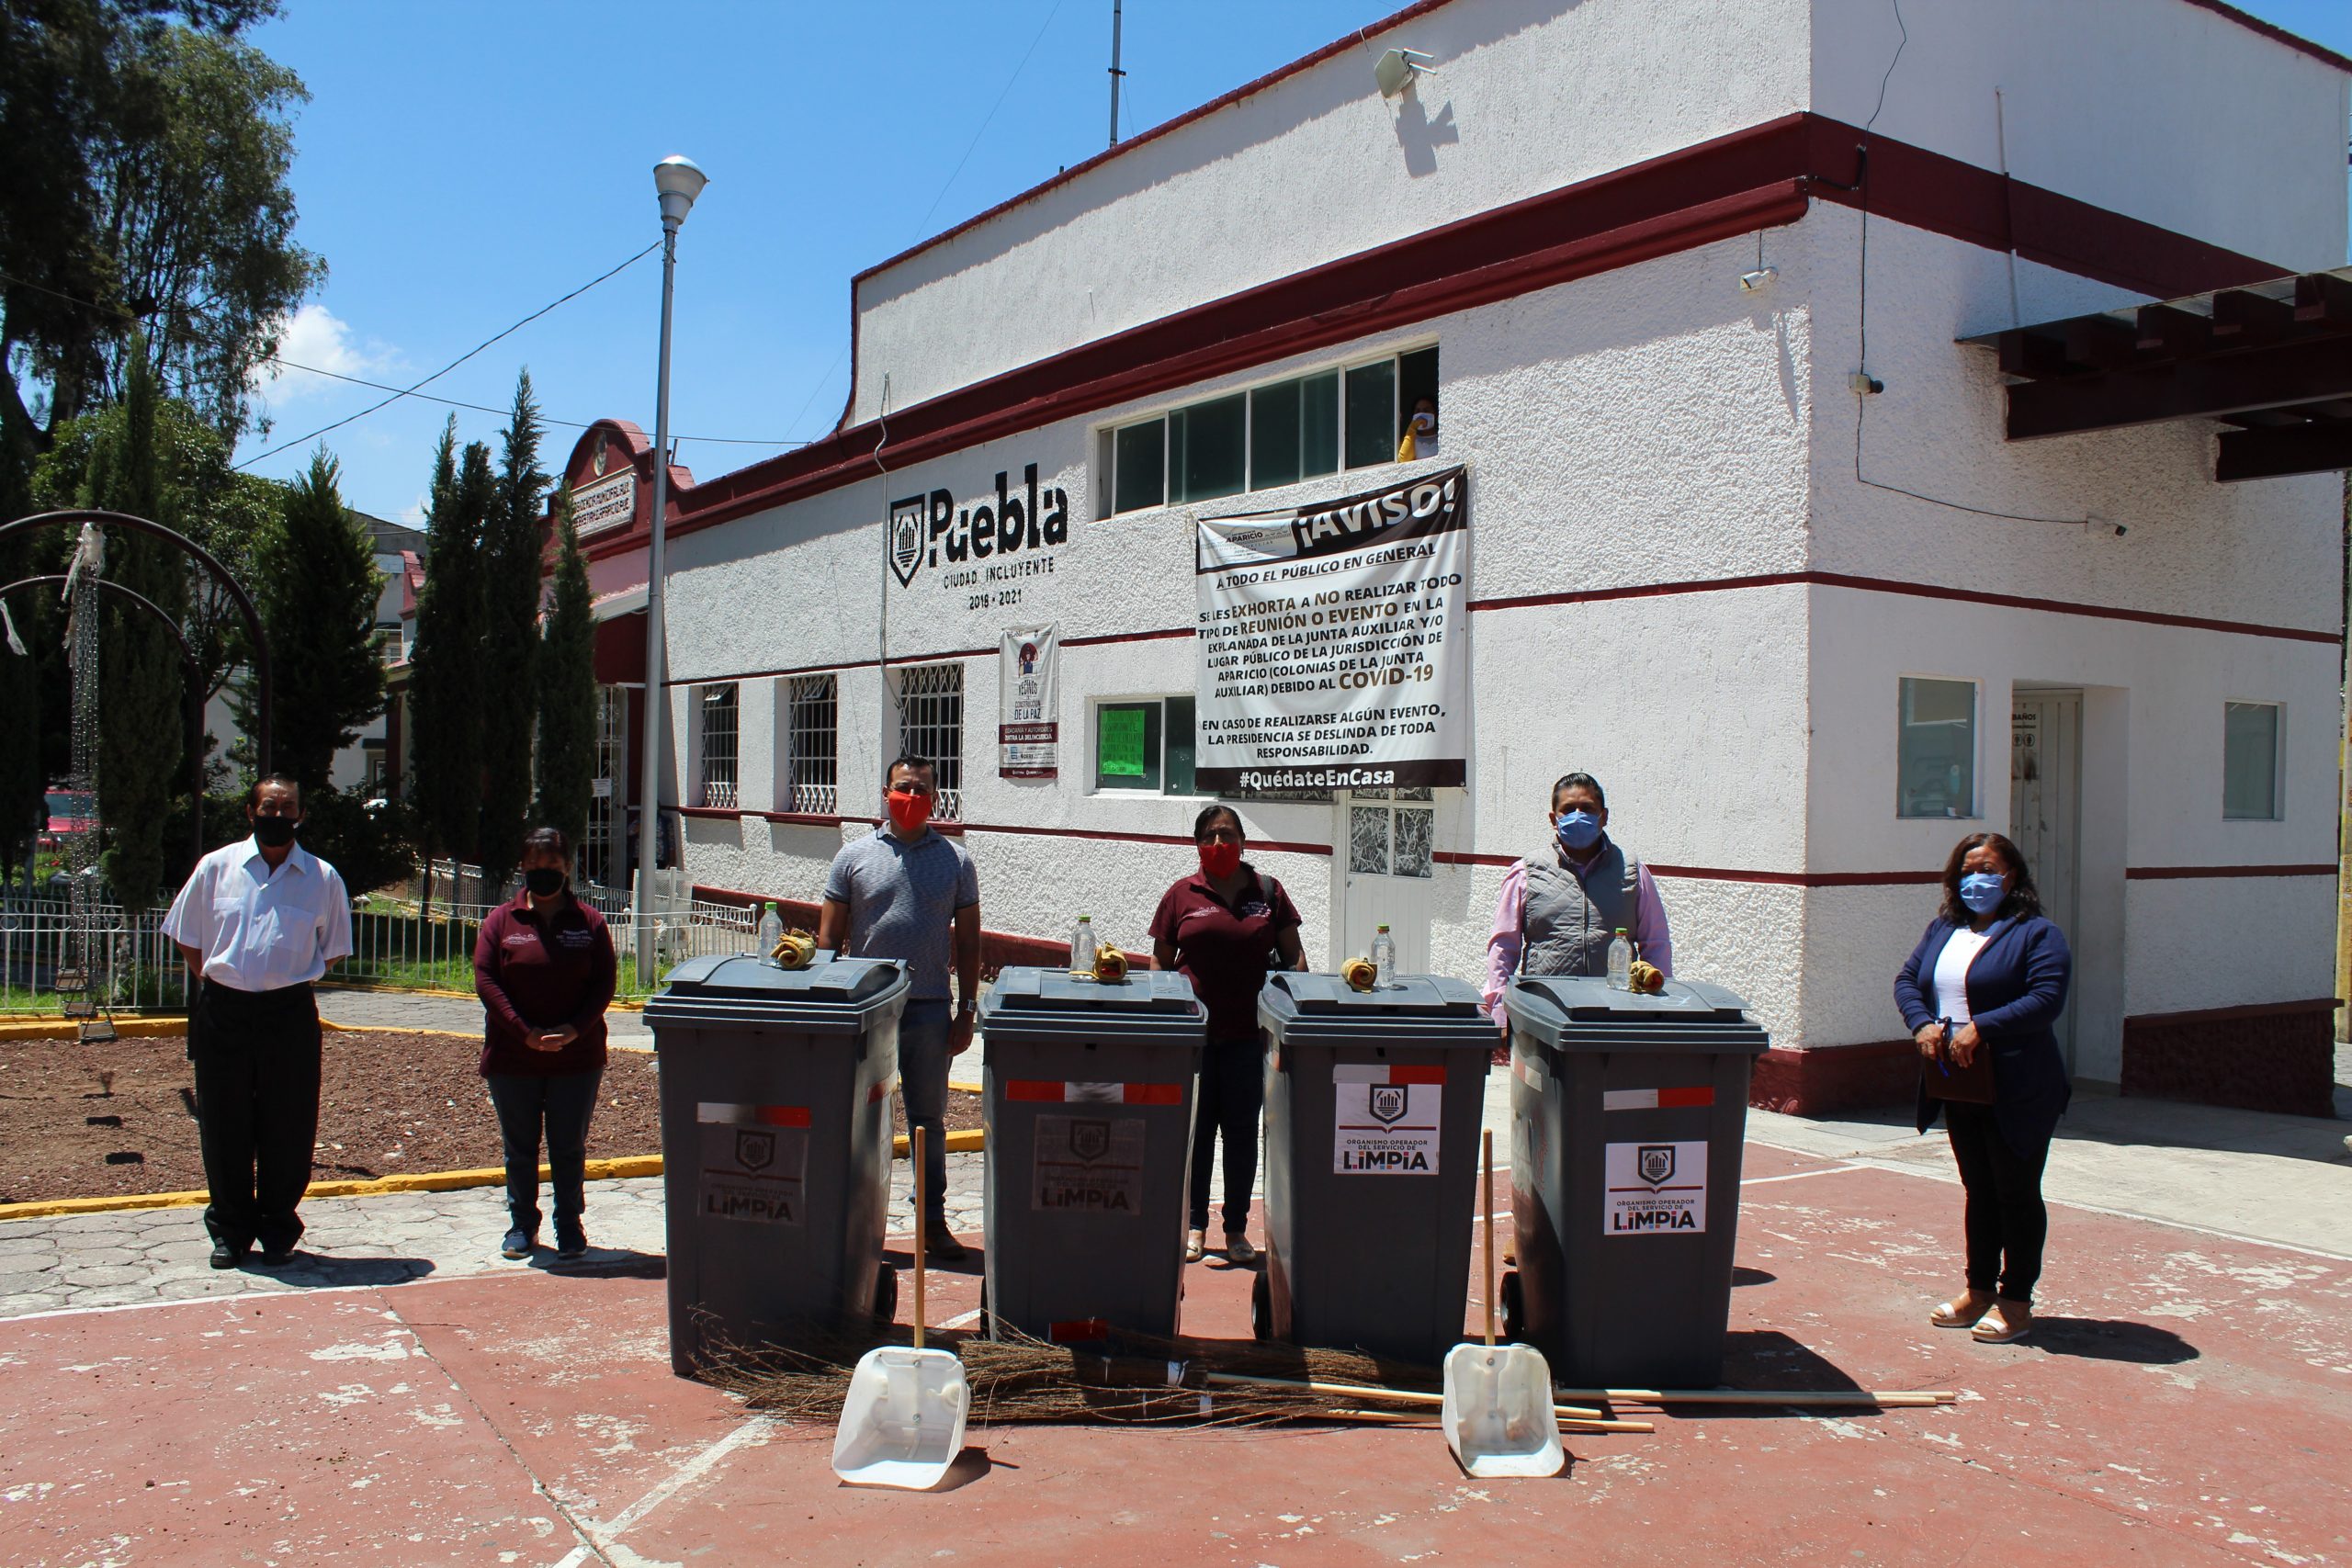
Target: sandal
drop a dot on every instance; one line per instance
(2008, 1322)
(1962, 1312)
(1195, 1244)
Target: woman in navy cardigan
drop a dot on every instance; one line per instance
(1991, 975)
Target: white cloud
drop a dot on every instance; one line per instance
(316, 337)
(414, 516)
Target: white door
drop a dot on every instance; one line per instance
(2045, 808)
(1384, 860)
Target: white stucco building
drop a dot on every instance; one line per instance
(1806, 635)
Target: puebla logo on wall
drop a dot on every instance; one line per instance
(1011, 532)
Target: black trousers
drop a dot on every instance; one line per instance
(562, 1103)
(1233, 1092)
(256, 1058)
(2006, 1220)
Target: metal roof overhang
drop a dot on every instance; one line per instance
(2272, 361)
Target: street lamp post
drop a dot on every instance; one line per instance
(678, 182)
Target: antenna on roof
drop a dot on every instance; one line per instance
(1115, 73)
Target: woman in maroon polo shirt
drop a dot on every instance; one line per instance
(543, 966)
(1225, 928)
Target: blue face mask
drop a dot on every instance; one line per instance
(1982, 891)
(1579, 830)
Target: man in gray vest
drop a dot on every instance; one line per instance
(1559, 909)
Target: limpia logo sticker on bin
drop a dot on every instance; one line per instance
(1655, 1189)
(754, 1162)
(1385, 1118)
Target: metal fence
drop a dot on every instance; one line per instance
(395, 943)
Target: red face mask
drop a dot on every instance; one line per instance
(1220, 859)
(908, 810)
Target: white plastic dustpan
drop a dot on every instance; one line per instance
(903, 1420)
(1498, 1415)
(902, 1417)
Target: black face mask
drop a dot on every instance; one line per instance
(274, 832)
(544, 881)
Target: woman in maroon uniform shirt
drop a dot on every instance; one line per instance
(543, 966)
(1225, 928)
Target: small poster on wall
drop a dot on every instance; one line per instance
(1028, 729)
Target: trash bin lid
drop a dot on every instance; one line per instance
(1151, 1007)
(737, 989)
(1420, 1009)
(1560, 1008)
(1029, 990)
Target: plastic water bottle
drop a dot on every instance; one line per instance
(1384, 960)
(771, 932)
(1082, 946)
(1621, 962)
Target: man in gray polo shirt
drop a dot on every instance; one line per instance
(906, 892)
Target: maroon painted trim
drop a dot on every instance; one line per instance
(1269, 846)
(2171, 873)
(2231, 1015)
(1247, 90)
(1356, 41)
(1760, 178)
(1724, 873)
(712, 813)
(1654, 591)
(1913, 589)
(2275, 33)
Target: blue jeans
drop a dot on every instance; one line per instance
(922, 1090)
(563, 1102)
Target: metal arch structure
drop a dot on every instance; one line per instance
(195, 699)
(264, 696)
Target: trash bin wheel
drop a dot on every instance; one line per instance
(886, 1296)
(1262, 1308)
(1514, 1308)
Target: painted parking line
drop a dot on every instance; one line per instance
(1800, 1175)
(751, 1434)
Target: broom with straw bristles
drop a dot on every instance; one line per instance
(1134, 1380)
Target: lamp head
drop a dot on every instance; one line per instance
(1395, 71)
(678, 180)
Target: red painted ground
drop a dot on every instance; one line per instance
(2190, 1402)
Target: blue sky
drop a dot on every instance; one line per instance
(461, 165)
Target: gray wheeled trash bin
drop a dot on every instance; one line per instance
(1089, 1092)
(1373, 1102)
(1628, 1113)
(776, 1148)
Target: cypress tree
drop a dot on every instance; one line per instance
(511, 553)
(317, 583)
(566, 758)
(446, 677)
(140, 676)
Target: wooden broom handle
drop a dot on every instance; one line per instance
(1486, 1140)
(916, 1152)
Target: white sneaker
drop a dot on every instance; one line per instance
(1195, 1244)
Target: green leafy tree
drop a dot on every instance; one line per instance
(148, 150)
(446, 679)
(318, 585)
(512, 549)
(567, 755)
(141, 680)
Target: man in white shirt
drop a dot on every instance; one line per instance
(258, 921)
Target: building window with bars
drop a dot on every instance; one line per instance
(931, 724)
(813, 731)
(718, 732)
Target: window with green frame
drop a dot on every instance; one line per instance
(1279, 435)
(1146, 746)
